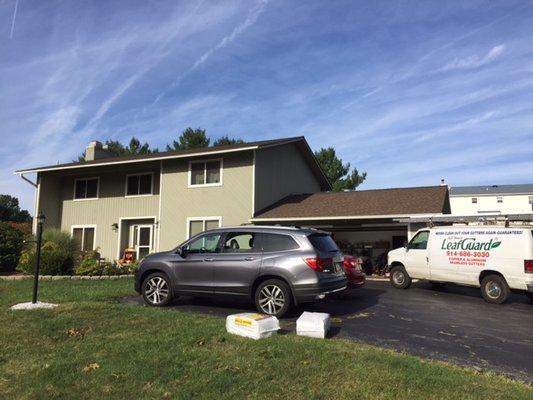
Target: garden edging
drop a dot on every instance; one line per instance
(61, 277)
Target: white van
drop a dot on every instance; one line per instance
(497, 259)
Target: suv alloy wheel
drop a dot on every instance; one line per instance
(273, 297)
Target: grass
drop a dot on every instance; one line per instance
(94, 347)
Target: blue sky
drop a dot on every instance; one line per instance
(408, 91)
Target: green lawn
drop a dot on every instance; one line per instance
(93, 347)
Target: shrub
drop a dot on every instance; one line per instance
(58, 252)
(11, 244)
(89, 264)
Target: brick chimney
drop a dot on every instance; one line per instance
(96, 150)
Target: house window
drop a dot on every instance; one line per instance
(474, 200)
(200, 224)
(139, 185)
(84, 237)
(205, 173)
(86, 188)
(499, 199)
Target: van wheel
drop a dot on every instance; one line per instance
(157, 290)
(399, 278)
(273, 297)
(494, 289)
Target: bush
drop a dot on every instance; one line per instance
(58, 252)
(89, 264)
(11, 244)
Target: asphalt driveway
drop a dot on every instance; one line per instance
(451, 323)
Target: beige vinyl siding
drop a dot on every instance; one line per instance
(49, 202)
(279, 172)
(232, 201)
(56, 198)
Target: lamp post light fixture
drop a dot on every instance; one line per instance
(40, 221)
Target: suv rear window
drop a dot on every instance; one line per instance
(275, 242)
(323, 243)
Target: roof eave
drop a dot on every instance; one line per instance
(148, 159)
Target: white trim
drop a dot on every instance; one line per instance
(253, 183)
(492, 194)
(189, 175)
(120, 229)
(345, 217)
(72, 227)
(159, 211)
(189, 155)
(203, 219)
(87, 179)
(139, 195)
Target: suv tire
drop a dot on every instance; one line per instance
(157, 290)
(399, 278)
(273, 297)
(494, 289)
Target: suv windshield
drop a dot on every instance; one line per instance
(323, 242)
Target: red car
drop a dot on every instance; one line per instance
(354, 272)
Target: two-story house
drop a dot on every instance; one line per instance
(491, 200)
(155, 201)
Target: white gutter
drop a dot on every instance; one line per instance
(345, 217)
(189, 155)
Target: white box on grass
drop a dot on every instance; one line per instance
(252, 325)
(313, 324)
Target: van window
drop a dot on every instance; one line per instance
(277, 242)
(323, 243)
(420, 241)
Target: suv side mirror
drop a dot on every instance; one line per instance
(182, 252)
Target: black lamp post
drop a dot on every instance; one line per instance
(40, 222)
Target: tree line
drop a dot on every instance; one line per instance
(341, 175)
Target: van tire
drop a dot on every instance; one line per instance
(399, 278)
(494, 289)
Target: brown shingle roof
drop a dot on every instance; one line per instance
(398, 201)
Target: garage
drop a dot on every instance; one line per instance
(367, 222)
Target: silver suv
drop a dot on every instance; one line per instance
(276, 267)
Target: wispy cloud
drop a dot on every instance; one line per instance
(249, 21)
(475, 61)
(14, 19)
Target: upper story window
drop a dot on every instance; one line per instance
(499, 199)
(205, 173)
(139, 184)
(86, 188)
(474, 200)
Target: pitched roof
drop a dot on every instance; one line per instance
(491, 190)
(298, 140)
(380, 202)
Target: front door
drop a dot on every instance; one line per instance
(142, 240)
(416, 256)
(237, 264)
(193, 268)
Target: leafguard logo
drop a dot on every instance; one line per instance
(469, 244)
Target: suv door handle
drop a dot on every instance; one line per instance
(248, 259)
(208, 259)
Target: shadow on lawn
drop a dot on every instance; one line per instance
(349, 303)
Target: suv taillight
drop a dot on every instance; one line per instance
(528, 266)
(319, 264)
(352, 262)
